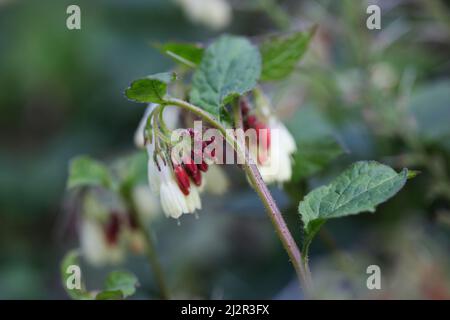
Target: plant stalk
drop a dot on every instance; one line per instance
(261, 189)
(150, 249)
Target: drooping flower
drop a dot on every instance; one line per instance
(173, 201)
(176, 183)
(278, 166)
(275, 144)
(101, 243)
(107, 227)
(177, 179)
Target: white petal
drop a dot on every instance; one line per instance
(154, 176)
(193, 200)
(94, 247)
(139, 134)
(178, 197)
(170, 205)
(281, 135)
(278, 168)
(92, 241)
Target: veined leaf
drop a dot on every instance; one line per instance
(85, 171)
(230, 67)
(188, 54)
(152, 88)
(280, 54)
(359, 188)
(121, 281)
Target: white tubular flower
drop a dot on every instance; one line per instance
(278, 167)
(173, 201)
(285, 137)
(177, 194)
(161, 181)
(215, 14)
(178, 184)
(193, 199)
(95, 247)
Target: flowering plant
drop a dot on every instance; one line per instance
(220, 93)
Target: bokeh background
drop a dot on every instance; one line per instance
(382, 95)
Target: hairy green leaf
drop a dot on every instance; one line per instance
(152, 88)
(85, 171)
(359, 188)
(280, 54)
(230, 67)
(122, 281)
(188, 54)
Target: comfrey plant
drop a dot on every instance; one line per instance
(228, 119)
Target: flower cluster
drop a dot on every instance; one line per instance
(177, 180)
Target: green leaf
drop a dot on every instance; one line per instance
(188, 54)
(413, 173)
(280, 54)
(71, 259)
(85, 171)
(316, 144)
(152, 88)
(109, 295)
(230, 67)
(359, 188)
(124, 282)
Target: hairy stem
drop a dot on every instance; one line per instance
(261, 189)
(153, 260)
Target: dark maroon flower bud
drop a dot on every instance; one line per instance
(182, 179)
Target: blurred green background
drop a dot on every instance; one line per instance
(382, 95)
